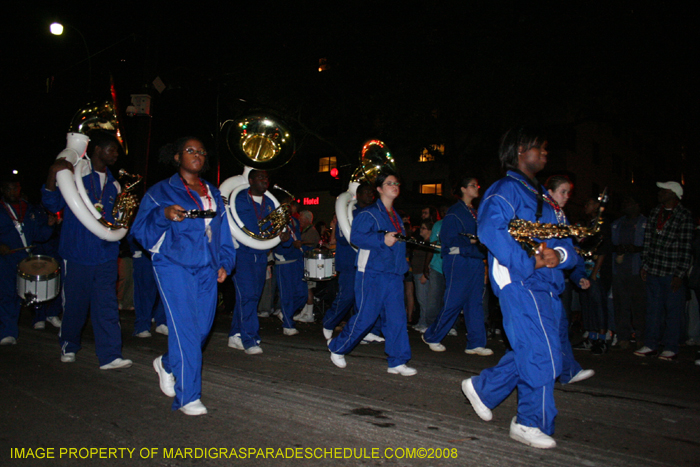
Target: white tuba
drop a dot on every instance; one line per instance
(257, 142)
(93, 116)
(374, 158)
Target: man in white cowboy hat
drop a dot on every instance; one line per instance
(666, 260)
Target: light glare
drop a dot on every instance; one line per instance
(56, 29)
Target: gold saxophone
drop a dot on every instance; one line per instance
(525, 232)
(127, 203)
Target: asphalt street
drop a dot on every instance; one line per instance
(292, 406)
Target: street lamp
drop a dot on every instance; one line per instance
(57, 29)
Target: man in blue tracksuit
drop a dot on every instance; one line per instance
(289, 272)
(249, 278)
(21, 224)
(89, 270)
(381, 265)
(528, 288)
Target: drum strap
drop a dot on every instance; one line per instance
(17, 223)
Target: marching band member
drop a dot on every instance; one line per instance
(559, 188)
(89, 270)
(21, 224)
(249, 278)
(528, 289)
(345, 266)
(289, 272)
(189, 257)
(463, 266)
(381, 265)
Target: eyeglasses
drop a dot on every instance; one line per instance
(191, 151)
(392, 184)
(474, 185)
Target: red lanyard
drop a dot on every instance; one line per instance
(394, 220)
(255, 206)
(204, 188)
(19, 219)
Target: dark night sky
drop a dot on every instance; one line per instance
(410, 72)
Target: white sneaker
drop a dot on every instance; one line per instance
(55, 321)
(162, 329)
(420, 328)
(668, 355)
(402, 370)
(254, 350)
(338, 360)
(143, 334)
(40, 325)
(263, 314)
(290, 331)
(306, 315)
(167, 380)
(68, 357)
(9, 340)
(452, 332)
(373, 338)
(434, 347)
(235, 342)
(278, 314)
(194, 408)
(117, 363)
(531, 436)
(581, 375)
(479, 407)
(327, 333)
(480, 351)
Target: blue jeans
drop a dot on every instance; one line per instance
(664, 311)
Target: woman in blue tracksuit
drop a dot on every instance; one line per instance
(189, 257)
(463, 266)
(559, 189)
(528, 288)
(381, 265)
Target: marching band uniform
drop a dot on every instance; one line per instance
(463, 266)
(249, 277)
(186, 258)
(345, 259)
(147, 303)
(20, 226)
(89, 272)
(289, 265)
(529, 300)
(378, 286)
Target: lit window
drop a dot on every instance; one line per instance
(427, 155)
(325, 164)
(431, 189)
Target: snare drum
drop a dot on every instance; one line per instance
(319, 265)
(38, 279)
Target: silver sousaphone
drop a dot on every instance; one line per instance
(257, 142)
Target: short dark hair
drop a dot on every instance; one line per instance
(102, 139)
(463, 183)
(515, 139)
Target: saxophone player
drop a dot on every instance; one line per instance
(528, 289)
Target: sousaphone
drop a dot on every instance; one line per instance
(257, 142)
(375, 157)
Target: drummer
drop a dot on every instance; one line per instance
(21, 224)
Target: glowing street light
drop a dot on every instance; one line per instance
(56, 29)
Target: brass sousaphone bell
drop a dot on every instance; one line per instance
(375, 157)
(258, 142)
